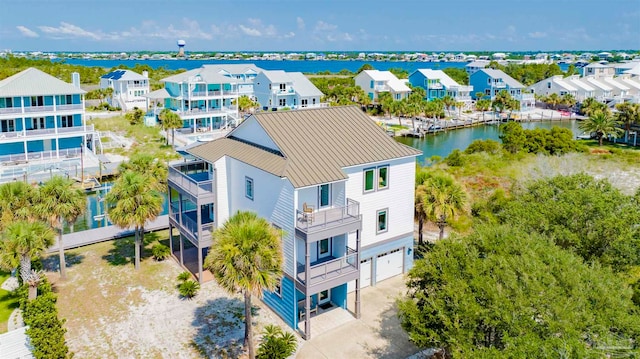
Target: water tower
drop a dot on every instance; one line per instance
(181, 44)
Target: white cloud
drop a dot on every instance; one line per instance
(250, 31)
(27, 32)
(68, 31)
(187, 29)
(537, 35)
(300, 23)
(289, 35)
(324, 26)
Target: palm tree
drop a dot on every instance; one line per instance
(20, 242)
(590, 106)
(133, 201)
(553, 100)
(628, 114)
(483, 104)
(150, 166)
(59, 201)
(170, 121)
(603, 124)
(16, 200)
(502, 101)
(246, 256)
(443, 199)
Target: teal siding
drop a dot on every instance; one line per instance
(72, 142)
(11, 148)
(339, 296)
(35, 146)
(285, 306)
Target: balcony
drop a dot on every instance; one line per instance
(39, 109)
(499, 85)
(315, 225)
(43, 133)
(329, 272)
(434, 86)
(192, 178)
(199, 112)
(188, 225)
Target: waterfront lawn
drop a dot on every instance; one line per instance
(8, 302)
(146, 139)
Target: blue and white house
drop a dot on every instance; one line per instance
(339, 188)
(374, 82)
(491, 82)
(129, 88)
(243, 74)
(43, 118)
(278, 89)
(437, 84)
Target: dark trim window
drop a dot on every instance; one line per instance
(369, 175)
(278, 289)
(66, 121)
(383, 177)
(248, 188)
(382, 220)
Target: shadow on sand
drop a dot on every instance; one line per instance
(220, 328)
(397, 343)
(123, 250)
(52, 262)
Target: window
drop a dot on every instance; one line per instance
(487, 91)
(304, 102)
(383, 176)
(248, 188)
(324, 248)
(278, 289)
(7, 125)
(324, 195)
(37, 101)
(382, 221)
(6, 102)
(67, 121)
(368, 180)
(283, 87)
(37, 123)
(282, 102)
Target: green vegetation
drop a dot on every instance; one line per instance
(276, 343)
(246, 257)
(603, 125)
(528, 74)
(188, 289)
(135, 117)
(8, 302)
(556, 141)
(460, 76)
(160, 252)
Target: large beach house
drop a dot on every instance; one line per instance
(437, 84)
(42, 118)
(278, 89)
(374, 82)
(129, 88)
(491, 82)
(339, 188)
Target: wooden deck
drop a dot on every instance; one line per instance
(96, 235)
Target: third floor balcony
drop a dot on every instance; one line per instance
(314, 224)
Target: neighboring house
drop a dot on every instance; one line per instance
(279, 89)
(597, 69)
(437, 84)
(128, 87)
(42, 117)
(555, 84)
(202, 97)
(476, 66)
(244, 74)
(373, 82)
(490, 82)
(16, 344)
(584, 90)
(603, 92)
(340, 189)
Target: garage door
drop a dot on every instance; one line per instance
(365, 273)
(389, 264)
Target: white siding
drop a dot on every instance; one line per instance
(251, 131)
(310, 196)
(222, 191)
(397, 198)
(273, 199)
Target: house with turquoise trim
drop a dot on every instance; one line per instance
(491, 82)
(129, 88)
(42, 118)
(332, 180)
(437, 84)
(278, 89)
(374, 82)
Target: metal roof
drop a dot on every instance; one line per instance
(499, 74)
(160, 94)
(303, 86)
(209, 75)
(33, 82)
(15, 344)
(277, 76)
(440, 75)
(125, 75)
(315, 144)
(233, 69)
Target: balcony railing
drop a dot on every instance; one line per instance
(45, 132)
(40, 156)
(435, 86)
(206, 111)
(330, 269)
(193, 187)
(189, 224)
(37, 109)
(322, 219)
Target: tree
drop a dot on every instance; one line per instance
(502, 101)
(21, 241)
(503, 292)
(364, 67)
(444, 199)
(603, 125)
(276, 343)
(458, 75)
(135, 117)
(245, 104)
(132, 201)
(149, 166)
(246, 256)
(553, 100)
(448, 102)
(170, 121)
(420, 192)
(513, 137)
(568, 100)
(16, 201)
(386, 102)
(483, 104)
(590, 106)
(59, 201)
(628, 114)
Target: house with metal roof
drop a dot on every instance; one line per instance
(42, 118)
(244, 74)
(278, 89)
(129, 88)
(597, 69)
(340, 189)
(491, 82)
(437, 84)
(555, 84)
(374, 82)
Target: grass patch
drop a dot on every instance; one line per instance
(8, 302)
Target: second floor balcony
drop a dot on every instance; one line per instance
(45, 133)
(40, 109)
(192, 178)
(315, 224)
(205, 111)
(187, 222)
(329, 272)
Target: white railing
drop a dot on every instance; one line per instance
(10, 110)
(45, 132)
(205, 111)
(193, 187)
(37, 109)
(435, 86)
(332, 268)
(77, 106)
(323, 218)
(31, 109)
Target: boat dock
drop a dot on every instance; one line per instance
(102, 234)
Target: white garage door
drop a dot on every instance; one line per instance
(365, 273)
(389, 264)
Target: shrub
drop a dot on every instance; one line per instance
(189, 289)
(276, 344)
(160, 252)
(455, 158)
(184, 276)
(488, 146)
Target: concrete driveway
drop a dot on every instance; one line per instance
(376, 335)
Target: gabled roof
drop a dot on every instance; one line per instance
(478, 63)
(33, 82)
(613, 82)
(564, 84)
(233, 69)
(398, 85)
(378, 75)
(576, 81)
(303, 86)
(209, 75)
(315, 145)
(277, 76)
(157, 94)
(123, 75)
(597, 83)
(440, 75)
(499, 74)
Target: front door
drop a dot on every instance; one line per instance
(324, 297)
(324, 248)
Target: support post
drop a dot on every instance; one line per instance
(181, 251)
(170, 235)
(307, 298)
(358, 303)
(199, 264)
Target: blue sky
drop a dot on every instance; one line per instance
(328, 25)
